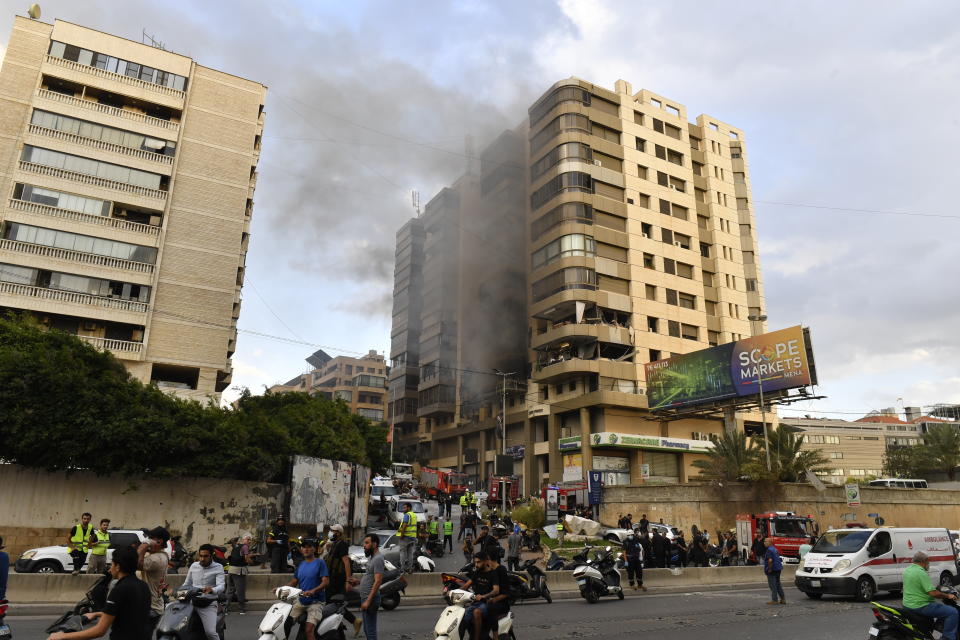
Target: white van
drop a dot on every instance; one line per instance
(860, 562)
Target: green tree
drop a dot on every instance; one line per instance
(941, 449)
(906, 462)
(66, 406)
(788, 461)
(729, 459)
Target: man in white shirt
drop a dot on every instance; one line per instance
(206, 575)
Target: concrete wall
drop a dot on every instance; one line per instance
(714, 507)
(37, 508)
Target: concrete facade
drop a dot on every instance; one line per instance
(127, 176)
(44, 505)
(638, 242)
(360, 382)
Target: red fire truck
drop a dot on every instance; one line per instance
(787, 529)
(447, 481)
(494, 483)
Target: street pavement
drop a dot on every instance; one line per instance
(739, 614)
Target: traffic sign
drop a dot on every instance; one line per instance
(873, 515)
(879, 521)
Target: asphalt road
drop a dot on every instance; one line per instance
(739, 614)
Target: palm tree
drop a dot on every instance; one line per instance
(789, 463)
(730, 457)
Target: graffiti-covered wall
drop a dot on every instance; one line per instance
(325, 492)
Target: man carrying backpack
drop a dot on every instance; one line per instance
(240, 561)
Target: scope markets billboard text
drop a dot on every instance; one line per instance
(778, 360)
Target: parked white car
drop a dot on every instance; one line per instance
(619, 535)
(57, 559)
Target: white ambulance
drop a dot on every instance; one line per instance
(860, 562)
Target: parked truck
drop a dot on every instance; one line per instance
(494, 486)
(437, 481)
(787, 530)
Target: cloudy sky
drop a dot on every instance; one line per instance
(850, 109)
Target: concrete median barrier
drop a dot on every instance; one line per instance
(68, 589)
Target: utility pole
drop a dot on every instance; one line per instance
(763, 407)
(503, 424)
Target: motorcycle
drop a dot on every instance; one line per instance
(452, 624)
(276, 622)
(332, 625)
(93, 600)
(555, 562)
(900, 623)
(178, 621)
(530, 540)
(533, 584)
(435, 548)
(5, 633)
(391, 587)
(180, 556)
(598, 577)
(423, 562)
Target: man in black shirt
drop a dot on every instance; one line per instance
(278, 541)
(485, 585)
(498, 604)
(127, 611)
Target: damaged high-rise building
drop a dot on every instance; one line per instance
(606, 232)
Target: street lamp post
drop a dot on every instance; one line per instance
(503, 423)
(763, 407)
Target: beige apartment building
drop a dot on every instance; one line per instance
(127, 175)
(360, 382)
(640, 244)
(854, 449)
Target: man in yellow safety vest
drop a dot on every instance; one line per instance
(99, 542)
(407, 534)
(448, 533)
(560, 530)
(78, 541)
(433, 528)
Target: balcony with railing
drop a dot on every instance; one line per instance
(86, 218)
(75, 256)
(71, 297)
(125, 114)
(123, 349)
(100, 144)
(116, 77)
(55, 172)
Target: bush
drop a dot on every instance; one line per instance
(532, 515)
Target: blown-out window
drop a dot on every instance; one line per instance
(574, 244)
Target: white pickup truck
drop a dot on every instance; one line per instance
(58, 560)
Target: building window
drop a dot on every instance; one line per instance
(76, 242)
(343, 394)
(569, 181)
(563, 94)
(669, 266)
(564, 279)
(687, 301)
(373, 414)
(570, 211)
(671, 296)
(651, 292)
(836, 455)
(78, 164)
(654, 355)
(673, 328)
(574, 244)
(116, 65)
(61, 200)
(641, 144)
(689, 331)
(95, 131)
(648, 261)
(564, 122)
(566, 151)
(653, 324)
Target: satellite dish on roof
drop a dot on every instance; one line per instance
(34, 11)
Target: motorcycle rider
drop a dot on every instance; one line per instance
(485, 584)
(919, 594)
(126, 613)
(206, 575)
(312, 578)
(633, 554)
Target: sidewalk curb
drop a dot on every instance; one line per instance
(258, 606)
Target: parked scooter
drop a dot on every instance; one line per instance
(393, 581)
(598, 577)
(435, 548)
(533, 584)
(423, 562)
(530, 539)
(179, 621)
(555, 562)
(453, 624)
(900, 623)
(333, 626)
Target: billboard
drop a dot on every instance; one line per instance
(774, 361)
(329, 492)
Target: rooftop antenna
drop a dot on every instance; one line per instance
(153, 42)
(34, 11)
(415, 201)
